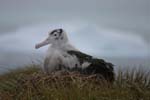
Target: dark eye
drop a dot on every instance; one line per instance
(55, 34)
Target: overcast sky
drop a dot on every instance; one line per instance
(124, 14)
(100, 27)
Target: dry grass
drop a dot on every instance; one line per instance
(31, 84)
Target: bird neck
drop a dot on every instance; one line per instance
(58, 45)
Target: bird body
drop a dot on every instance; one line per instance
(62, 55)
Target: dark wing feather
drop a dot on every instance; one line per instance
(97, 66)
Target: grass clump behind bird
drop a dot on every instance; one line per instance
(30, 83)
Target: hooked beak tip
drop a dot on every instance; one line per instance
(37, 46)
(41, 44)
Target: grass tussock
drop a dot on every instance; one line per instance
(31, 83)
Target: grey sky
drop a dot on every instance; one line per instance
(114, 27)
(124, 14)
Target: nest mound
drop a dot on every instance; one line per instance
(62, 79)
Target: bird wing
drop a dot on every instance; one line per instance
(81, 56)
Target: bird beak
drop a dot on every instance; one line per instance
(42, 44)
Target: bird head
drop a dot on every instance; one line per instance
(55, 37)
